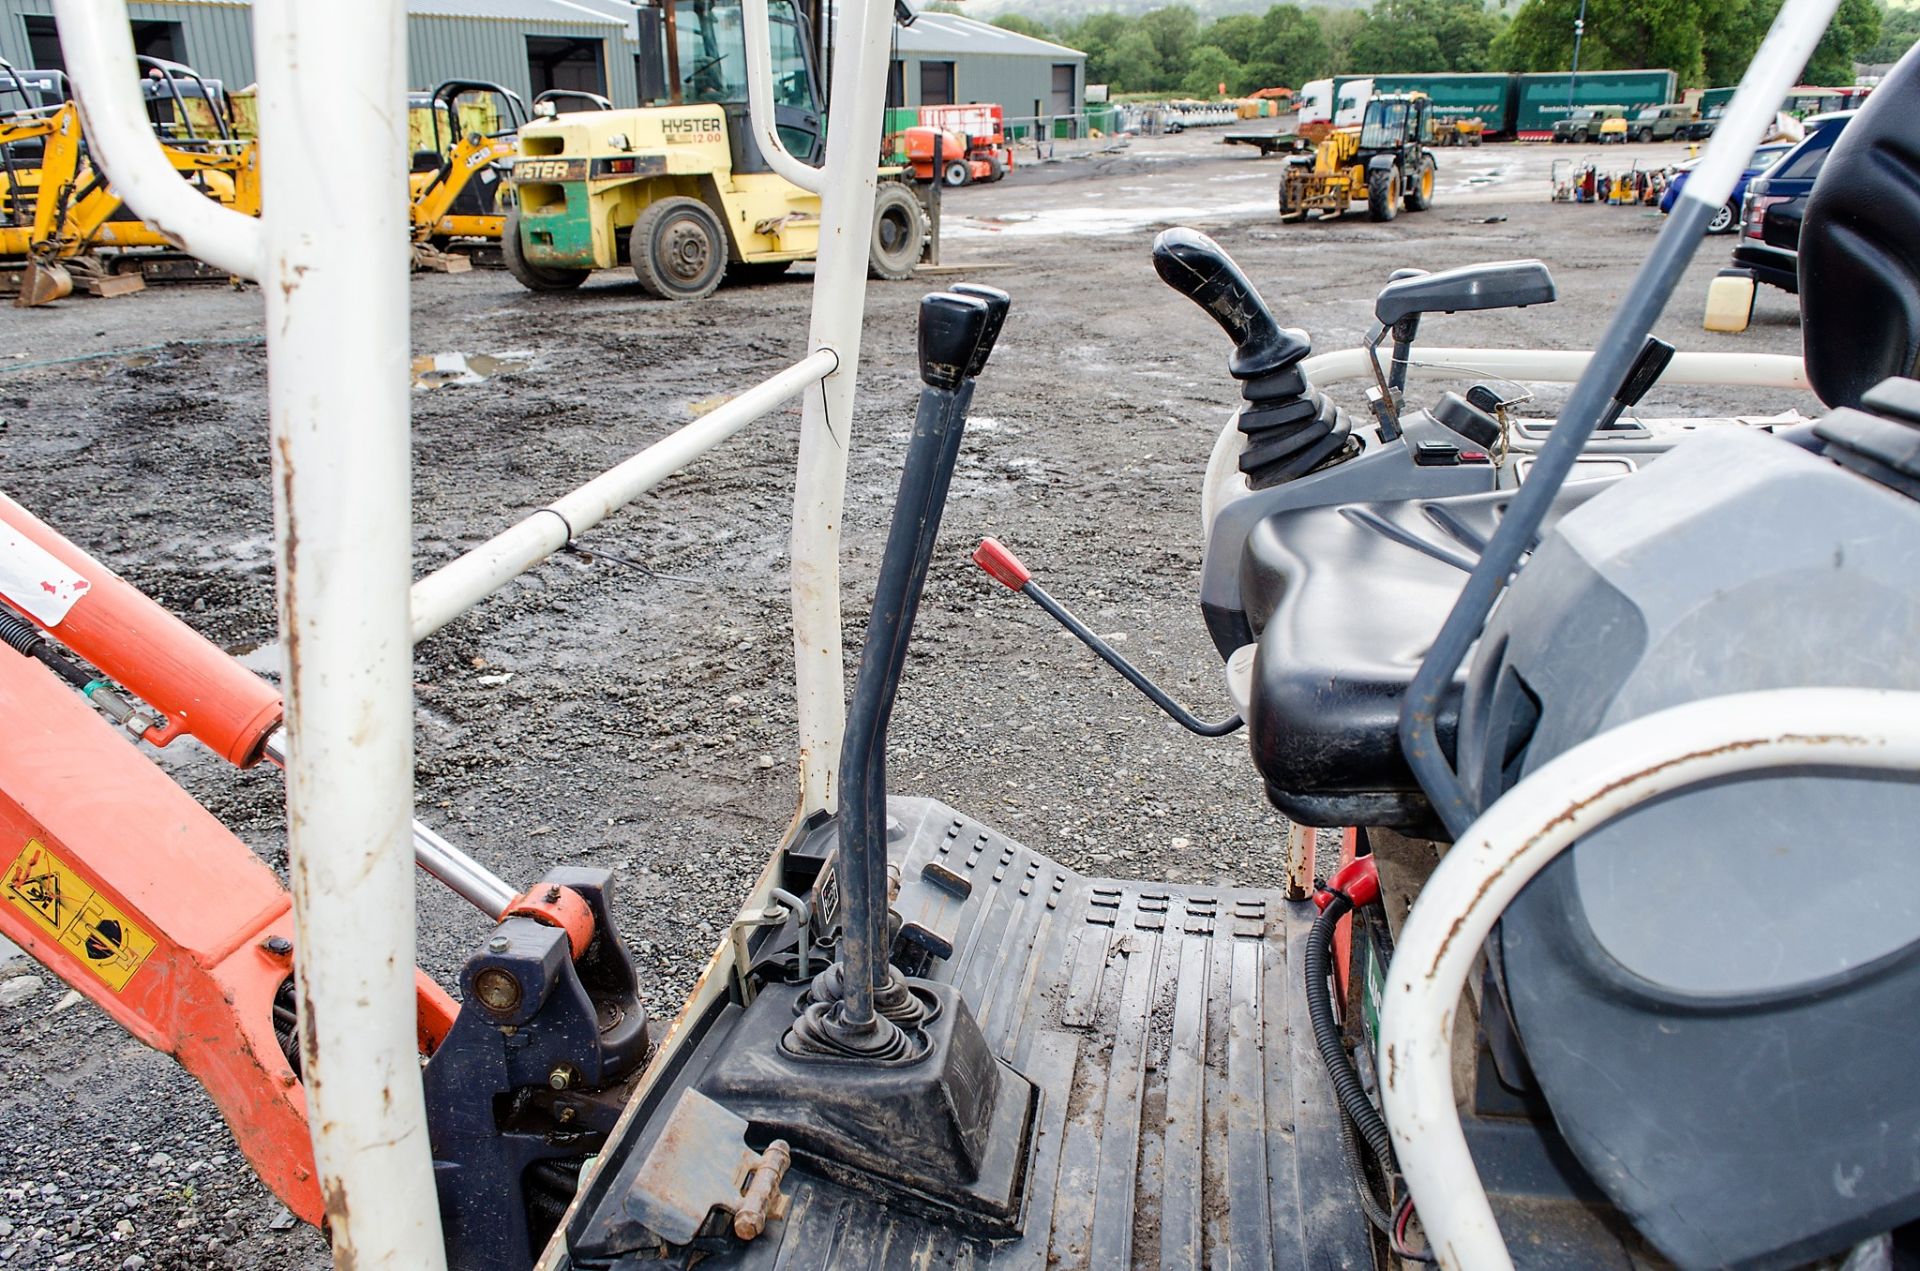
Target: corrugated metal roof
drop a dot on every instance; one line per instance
(592, 12)
(582, 12)
(951, 33)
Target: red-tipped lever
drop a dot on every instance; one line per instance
(1001, 564)
(1006, 568)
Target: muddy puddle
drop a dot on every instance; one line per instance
(443, 370)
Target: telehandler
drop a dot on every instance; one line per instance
(1590, 701)
(1387, 164)
(683, 190)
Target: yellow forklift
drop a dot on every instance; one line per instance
(679, 189)
(1387, 164)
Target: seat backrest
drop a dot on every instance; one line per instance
(1860, 248)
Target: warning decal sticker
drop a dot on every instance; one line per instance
(103, 939)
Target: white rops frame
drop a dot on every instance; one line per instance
(331, 260)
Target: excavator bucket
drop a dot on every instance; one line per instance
(42, 283)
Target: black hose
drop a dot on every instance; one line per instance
(22, 636)
(26, 639)
(1326, 1032)
(1363, 1184)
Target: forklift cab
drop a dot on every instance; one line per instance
(1392, 122)
(702, 57)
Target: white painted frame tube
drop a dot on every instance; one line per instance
(461, 583)
(839, 305)
(757, 27)
(332, 259)
(1225, 482)
(338, 315)
(1574, 795)
(1554, 366)
(97, 43)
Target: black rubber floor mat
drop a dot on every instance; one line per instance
(1185, 1118)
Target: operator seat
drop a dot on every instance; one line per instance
(1860, 248)
(1715, 993)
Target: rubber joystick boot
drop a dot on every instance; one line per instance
(1200, 269)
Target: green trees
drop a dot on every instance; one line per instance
(1425, 35)
(1173, 50)
(1899, 31)
(1705, 41)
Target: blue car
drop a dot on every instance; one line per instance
(1727, 219)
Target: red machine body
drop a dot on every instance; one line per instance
(120, 883)
(973, 144)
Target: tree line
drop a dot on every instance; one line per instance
(1174, 50)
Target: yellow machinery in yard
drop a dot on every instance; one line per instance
(1386, 165)
(59, 216)
(461, 136)
(681, 189)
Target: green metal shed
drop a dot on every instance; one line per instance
(526, 45)
(945, 59)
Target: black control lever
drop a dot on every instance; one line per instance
(1461, 416)
(1200, 269)
(858, 1006)
(1404, 332)
(1646, 370)
(1004, 567)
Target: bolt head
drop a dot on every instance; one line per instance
(279, 946)
(499, 944)
(559, 1079)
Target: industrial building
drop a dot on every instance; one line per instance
(527, 45)
(945, 59)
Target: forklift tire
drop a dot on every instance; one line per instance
(899, 233)
(1383, 194)
(678, 249)
(956, 173)
(1420, 193)
(531, 276)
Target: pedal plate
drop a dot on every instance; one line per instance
(1184, 1120)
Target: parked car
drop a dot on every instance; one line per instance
(1702, 128)
(1660, 123)
(1727, 219)
(1585, 123)
(1775, 202)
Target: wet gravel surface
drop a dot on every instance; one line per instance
(638, 715)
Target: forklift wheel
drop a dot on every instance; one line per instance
(899, 233)
(1383, 194)
(529, 275)
(957, 172)
(678, 249)
(1420, 193)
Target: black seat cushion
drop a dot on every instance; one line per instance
(1860, 248)
(1346, 600)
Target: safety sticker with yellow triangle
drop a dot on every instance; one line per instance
(65, 905)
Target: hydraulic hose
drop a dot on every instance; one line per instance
(25, 638)
(1326, 1031)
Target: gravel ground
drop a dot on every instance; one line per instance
(641, 717)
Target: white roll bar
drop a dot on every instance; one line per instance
(458, 585)
(1225, 482)
(98, 46)
(757, 28)
(332, 261)
(839, 305)
(1574, 795)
